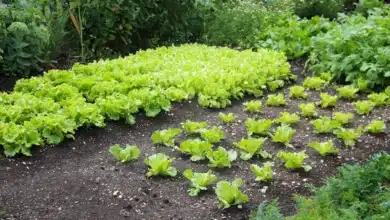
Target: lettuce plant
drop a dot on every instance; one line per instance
(251, 147)
(347, 92)
(287, 118)
(226, 118)
(191, 127)
(308, 110)
(297, 92)
(221, 157)
(294, 160)
(343, 118)
(327, 100)
(229, 194)
(324, 125)
(314, 83)
(125, 155)
(160, 164)
(253, 106)
(376, 126)
(324, 148)
(364, 107)
(276, 100)
(348, 136)
(213, 135)
(260, 126)
(327, 76)
(196, 148)
(263, 174)
(379, 99)
(362, 84)
(166, 137)
(283, 134)
(199, 181)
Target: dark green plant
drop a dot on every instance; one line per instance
(310, 8)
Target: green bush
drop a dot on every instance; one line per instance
(358, 192)
(365, 5)
(310, 8)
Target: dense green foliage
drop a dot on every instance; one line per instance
(50, 108)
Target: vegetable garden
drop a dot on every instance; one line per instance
(224, 127)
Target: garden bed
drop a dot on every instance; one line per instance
(80, 180)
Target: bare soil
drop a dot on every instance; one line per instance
(79, 179)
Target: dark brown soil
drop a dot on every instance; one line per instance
(80, 180)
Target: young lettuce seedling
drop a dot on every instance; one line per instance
(260, 127)
(348, 136)
(253, 106)
(324, 148)
(213, 135)
(166, 137)
(287, 118)
(191, 127)
(314, 83)
(376, 127)
(250, 147)
(327, 76)
(343, 118)
(125, 155)
(221, 158)
(263, 174)
(379, 99)
(324, 125)
(297, 92)
(229, 194)
(199, 181)
(226, 118)
(276, 100)
(364, 107)
(196, 148)
(347, 92)
(328, 101)
(284, 135)
(160, 164)
(308, 110)
(294, 160)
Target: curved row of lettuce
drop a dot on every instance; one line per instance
(48, 109)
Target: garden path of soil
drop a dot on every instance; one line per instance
(80, 180)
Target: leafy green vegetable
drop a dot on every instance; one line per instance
(221, 158)
(287, 118)
(376, 126)
(264, 173)
(251, 147)
(125, 155)
(229, 194)
(327, 76)
(308, 109)
(196, 148)
(362, 84)
(324, 124)
(328, 100)
(294, 160)
(348, 136)
(199, 181)
(343, 118)
(276, 100)
(347, 92)
(284, 135)
(364, 107)
(160, 164)
(324, 148)
(253, 106)
(213, 135)
(297, 92)
(315, 83)
(191, 127)
(260, 126)
(226, 118)
(379, 98)
(166, 137)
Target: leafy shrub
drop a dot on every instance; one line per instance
(196, 148)
(213, 135)
(221, 158)
(264, 173)
(283, 134)
(356, 48)
(199, 181)
(297, 92)
(251, 147)
(365, 5)
(310, 8)
(226, 118)
(166, 137)
(229, 194)
(260, 126)
(324, 148)
(294, 160)
(376, 126)
(125, 155)
(160, 164)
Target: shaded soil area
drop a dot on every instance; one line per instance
(80, 180)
